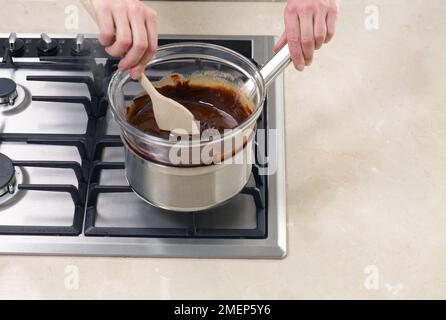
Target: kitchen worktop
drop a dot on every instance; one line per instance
(366, 175)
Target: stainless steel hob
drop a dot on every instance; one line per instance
(62, 185)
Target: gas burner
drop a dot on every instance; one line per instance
(9, 179)
(8, 91)
(12, 95)
(7, 175)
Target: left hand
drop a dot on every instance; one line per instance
(308, 25)
(127, 30)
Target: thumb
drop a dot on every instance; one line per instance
(136, 72)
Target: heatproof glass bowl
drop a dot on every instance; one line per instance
(199, 63)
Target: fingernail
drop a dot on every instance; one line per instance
(135, 74)
(300, 67)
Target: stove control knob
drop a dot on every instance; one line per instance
(47, 46)
(81, 46)
(15, 45)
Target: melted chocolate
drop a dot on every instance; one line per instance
(216, 107)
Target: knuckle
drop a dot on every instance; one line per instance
(104, 6)
(290, 8)
(118, 6)
(320, 35)
(110, 51)
(295, 53)
(151, 13)
(321, 5)
(125, 41)
(319, 39)
(333, 8)
(106, 35)
(135, 8)
(151, 50)
(307, 41)
(140, 45)
(293, 39)
(306, 9)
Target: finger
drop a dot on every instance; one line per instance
(292, 29)
(306, 19)
(123, 31)
(332, 15)
(136, 71)
(104, 18)
(280, 43)
(140, 42)
(152, 33)
(320, 28)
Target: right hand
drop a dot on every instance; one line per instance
(308, 25)
(127, 30)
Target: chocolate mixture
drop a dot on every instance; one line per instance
(216, 107)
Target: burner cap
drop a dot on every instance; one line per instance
(7, 87)
(6, 171)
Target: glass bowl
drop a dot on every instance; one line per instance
(198, 63)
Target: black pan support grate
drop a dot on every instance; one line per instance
(90, 146)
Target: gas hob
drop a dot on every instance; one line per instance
(62, 176)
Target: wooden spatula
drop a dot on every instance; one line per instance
(169, 114)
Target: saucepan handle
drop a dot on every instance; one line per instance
(276, 65)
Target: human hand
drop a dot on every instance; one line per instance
(308, 25)
(127, 30)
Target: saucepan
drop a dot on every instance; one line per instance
(165, 172)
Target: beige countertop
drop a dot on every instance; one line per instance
(366, 175)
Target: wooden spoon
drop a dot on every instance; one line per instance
(169, 114)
